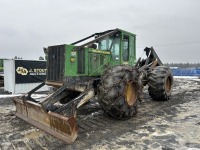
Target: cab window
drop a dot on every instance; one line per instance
(105, 44)
(125, 48)
(115, 49)
(111, 43)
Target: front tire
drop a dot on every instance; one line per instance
(118, 92)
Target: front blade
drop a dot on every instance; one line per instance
(64, 128)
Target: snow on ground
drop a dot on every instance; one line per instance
(159, 125)
(35, 96)
(180, 131)
(9, 95)
(187, 77)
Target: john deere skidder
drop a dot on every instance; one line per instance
(105, 68)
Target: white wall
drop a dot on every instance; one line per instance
(9, 75)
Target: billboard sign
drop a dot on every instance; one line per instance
(27, 71)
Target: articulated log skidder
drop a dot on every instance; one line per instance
(105, 68)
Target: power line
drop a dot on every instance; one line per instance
(173, 44)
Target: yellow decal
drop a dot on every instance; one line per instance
(99, 51)
(72, 59)
(125, 63)
(22, 71)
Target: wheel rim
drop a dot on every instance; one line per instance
(168, 84)
(131, 93)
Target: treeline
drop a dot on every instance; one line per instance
(183, 65)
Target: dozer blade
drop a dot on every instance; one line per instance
(64, 128)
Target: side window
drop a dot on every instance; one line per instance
(115, 49)
(125, 48)
(105, 44)
(132, 46)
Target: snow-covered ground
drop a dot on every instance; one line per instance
(35, 96)
(9, 95)
(160, 125)
(187, 77)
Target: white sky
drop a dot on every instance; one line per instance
(171, 26)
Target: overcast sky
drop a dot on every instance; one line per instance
(171, 26)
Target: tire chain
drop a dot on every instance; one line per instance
(125, 68)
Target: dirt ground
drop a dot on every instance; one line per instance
(167, 125)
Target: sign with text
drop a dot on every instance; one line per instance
(29, 71)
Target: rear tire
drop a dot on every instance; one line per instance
(160, 83)
(118, 92)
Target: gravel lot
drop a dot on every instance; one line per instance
(173, 124)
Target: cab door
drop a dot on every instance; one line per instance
(128, 50)
(125, 49)
(115, 50)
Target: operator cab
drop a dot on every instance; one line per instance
(112, 44)
(121, 46)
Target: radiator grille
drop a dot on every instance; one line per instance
(55, 63)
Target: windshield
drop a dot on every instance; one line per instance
(112, 44)
(105, 44)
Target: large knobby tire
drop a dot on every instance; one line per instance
(160, 83)
(118, 91)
